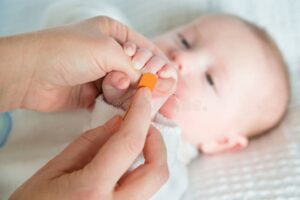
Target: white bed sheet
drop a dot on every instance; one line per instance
(270, 167)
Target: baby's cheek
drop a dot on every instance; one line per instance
(191, 123)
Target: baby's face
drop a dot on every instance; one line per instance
(220, 65)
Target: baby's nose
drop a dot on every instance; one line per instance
(181, 59)
(174, 55)
(176, 58)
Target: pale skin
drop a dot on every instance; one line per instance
(145, 60)
(221, 64)
(58, 78)
(61, 69)
(93, 166)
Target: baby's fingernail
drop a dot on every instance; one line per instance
(123, 83)
(129, 51)
(137, 65)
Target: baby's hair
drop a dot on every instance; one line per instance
(270, 43)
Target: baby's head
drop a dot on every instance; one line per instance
(232, 81)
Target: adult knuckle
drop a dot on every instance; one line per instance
(86, 137)
(103, 20)
(107, 42)
(90, 194)
(133, 144)
(114, 27)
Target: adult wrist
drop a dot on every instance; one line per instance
(16, 69)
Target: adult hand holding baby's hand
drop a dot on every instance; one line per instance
(61, 68)
(93, 166)
(116, 86)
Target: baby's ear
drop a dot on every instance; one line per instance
(229, 142)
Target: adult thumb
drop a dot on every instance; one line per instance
(113, 58)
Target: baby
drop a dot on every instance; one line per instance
(226, 82)
(232, 81)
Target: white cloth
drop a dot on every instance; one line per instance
(179, 153)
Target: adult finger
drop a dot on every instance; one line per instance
(121, 150)
(148, 178)
(123, 34)
(85, 147)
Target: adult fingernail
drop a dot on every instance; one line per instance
(146, 92)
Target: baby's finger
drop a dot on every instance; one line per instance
(115, 85)
(154, 65)
(168, 71)
(129, 48)
(165, 87)
(141, 58)
(117, 80)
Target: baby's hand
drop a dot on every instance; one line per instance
(116, 86)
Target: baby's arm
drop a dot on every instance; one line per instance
(116, 86)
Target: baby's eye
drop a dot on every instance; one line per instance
(184, 42)
(209, 79)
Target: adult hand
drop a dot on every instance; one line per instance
(60, 68)
(93, 166)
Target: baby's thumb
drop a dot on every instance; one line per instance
(115, 85)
